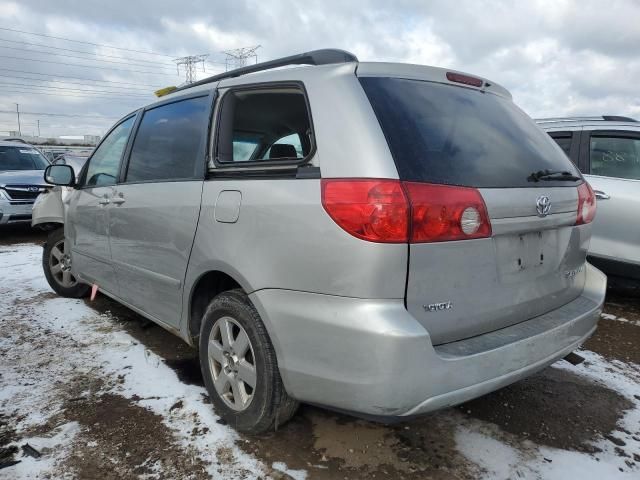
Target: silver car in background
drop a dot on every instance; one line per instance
(607, 151)
(377, 238)
(21, 180)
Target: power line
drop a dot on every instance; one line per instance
(79, 51)
(82, 58)
(55, 75)
(24, 85)
(66, 82)
(87, 43)
(49, 114)
(14, 90)
(87, 66)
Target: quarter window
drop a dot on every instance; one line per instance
(265, 125)
(168, 142)
(105, 162)
(564, 142)
(615, 157)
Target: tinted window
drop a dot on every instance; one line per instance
(105, 162)
(564, 143)
(615, 157)
(260, 125)
(21, 158)
(452, 135)
(169, 141)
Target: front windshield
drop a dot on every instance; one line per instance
(21, 158)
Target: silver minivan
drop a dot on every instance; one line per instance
(377, 238)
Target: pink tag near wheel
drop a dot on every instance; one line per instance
(94, 290)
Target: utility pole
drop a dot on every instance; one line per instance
(189, 63)
(18, 112)
(238, 58)
(38, 127)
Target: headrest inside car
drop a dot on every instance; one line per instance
(282, 150)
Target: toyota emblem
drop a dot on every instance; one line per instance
(543, 205)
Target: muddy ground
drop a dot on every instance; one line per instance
(555, 408)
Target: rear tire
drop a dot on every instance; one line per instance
(241, 371)
(57, 267)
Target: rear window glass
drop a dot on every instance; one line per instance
(21, 158)
(458, 136)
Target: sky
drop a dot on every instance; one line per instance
(558, 58)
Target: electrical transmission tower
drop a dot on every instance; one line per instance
(190, 65)
(238, 57)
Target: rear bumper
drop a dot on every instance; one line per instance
(371, 357)
(13, 212)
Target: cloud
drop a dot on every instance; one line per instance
(558, 57)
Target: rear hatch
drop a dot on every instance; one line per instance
(531, 259)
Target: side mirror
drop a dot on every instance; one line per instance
(60, 175)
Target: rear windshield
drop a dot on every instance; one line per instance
(452, 135)
(21, 158)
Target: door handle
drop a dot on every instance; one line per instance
(118, 200)
(600, 195)
(104, 200)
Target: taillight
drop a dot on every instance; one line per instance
(391, 211)
(374, 210)
(586, 204)
(441, 213)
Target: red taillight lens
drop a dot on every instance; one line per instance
(374, 210)
(391, 211)
(586, 204)
(441, 213)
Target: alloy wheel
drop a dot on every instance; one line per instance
(232, 363)
(60, 265)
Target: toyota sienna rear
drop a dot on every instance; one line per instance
(381, 239)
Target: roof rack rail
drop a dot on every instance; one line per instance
(316, 57)
(618, 118)
(601, 118)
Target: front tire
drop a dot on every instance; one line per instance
(239, 366)
(56, 264)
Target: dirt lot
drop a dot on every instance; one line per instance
(88, 385)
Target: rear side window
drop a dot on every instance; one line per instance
(459, 136)
(264, 125)
(564, 142)
(615, 157)
(169, 141)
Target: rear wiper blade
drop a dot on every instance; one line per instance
(560, 175)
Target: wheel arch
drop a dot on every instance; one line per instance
(204, 289)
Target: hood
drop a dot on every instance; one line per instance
(22, 177)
